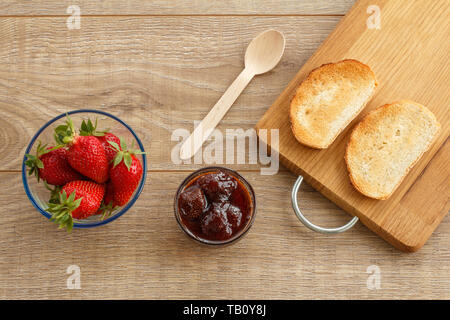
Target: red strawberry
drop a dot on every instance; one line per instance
(87, 156)
(125, 174)
(51, 165)
(86, 153)
(77, 200)
(89, 129)
(125, 180)
(109, 149)
(91, 194)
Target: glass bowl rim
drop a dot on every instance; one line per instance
(94, 223)
(238, 236)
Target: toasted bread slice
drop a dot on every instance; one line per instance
(386, 144)
(328, 100)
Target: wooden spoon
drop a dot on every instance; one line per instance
(262, 55)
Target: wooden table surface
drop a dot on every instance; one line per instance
(160, 66)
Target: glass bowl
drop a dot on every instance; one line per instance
(236, 236)
(39, 195)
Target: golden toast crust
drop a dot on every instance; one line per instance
(329, 98)
(370, 125)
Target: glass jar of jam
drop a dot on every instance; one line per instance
(215, 206)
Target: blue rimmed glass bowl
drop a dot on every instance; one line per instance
(39, 195)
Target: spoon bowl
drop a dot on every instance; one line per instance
(264, 51)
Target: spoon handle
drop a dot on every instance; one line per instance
(212, 119)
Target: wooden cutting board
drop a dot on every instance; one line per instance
(409, 54)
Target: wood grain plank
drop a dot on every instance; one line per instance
(169, 71)
(180, 7)
(144, 254)
(135, 69)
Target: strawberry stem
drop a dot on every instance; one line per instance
(65, 133)
(89, 129)
(107, 210)
(54, 193)
(62, 209)
(124, 154)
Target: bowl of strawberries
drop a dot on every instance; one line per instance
(84, 169)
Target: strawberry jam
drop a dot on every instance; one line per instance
(215, 205)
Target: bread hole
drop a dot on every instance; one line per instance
(397, 133)
(308, 111)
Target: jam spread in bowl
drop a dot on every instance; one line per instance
(215, 205)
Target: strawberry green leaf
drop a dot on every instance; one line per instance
(123, 145)
(124, 154)
(127, 160)
(62, 210)
(84, 128)
(90, 129)
(107, 209)
(71, 197)
(69, 225)
(77, 202)
(118, 158)
(54, 193)
(64, 134)
(63, 128)
(62, 196)
(39, 164)
(114, 145)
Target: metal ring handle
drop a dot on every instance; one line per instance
(310, 225)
